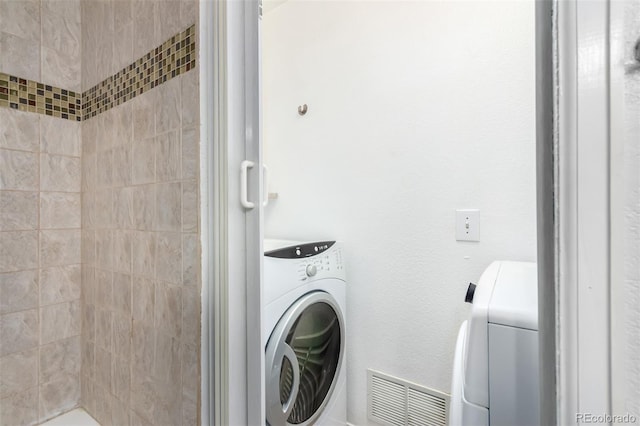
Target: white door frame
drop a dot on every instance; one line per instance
(232, 361)
(588, 206)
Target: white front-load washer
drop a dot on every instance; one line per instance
(304, 330)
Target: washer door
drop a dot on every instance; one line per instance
(302, 361)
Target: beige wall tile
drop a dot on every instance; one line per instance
(88, 357)
(59, 321)
(60, 284)
(88, 323)
(104, 289)
(18, 250)
(143, 161)
(122, 123)
(169, 257)
(103, 368)
(20, 409)
(191, 316)
(88, 210)
(142, 353)
(190, 206)
(189, 13)
(122, 336)
(68, 8)
(143, 300)
(61, 68)
(144, 202)
(19, 372)
(190, 153)
(62, 33)
(169, 111)
(168, 153)
(89, 172)
(20, 57)
(60, 210)
(144, 254)
(167, 20)
(19, 130)
(87, 396)
(190, 260)
(168, 359)
(18, 331)
(104, 208)
(122, 294)
(88, 248)
(59, 396)
(104, 249)
(18, 170)
(122, 166)
(123, 207)
(89, 135)
(59, 247)
(104, 330)
(88, 285)
(190, 98)
(104, 405)
(144, 27)
(168, 309)
(104, 176)
(143, 398)
(190, 371)
(168, 207)
(59, 173)
(121, 379)
(105, 63)
(123, 47)
(60, 359)
(18, 210)
(122, 14)
(122, 251)
(62, 137)
(21, 18)
(18, 291)
(144, 120)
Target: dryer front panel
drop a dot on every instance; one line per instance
(303, 358)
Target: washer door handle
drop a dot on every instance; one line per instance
(287, 407)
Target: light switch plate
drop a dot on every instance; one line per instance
(468, 225)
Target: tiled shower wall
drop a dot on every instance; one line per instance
(140, 251)
(40, 220)
(99, 252)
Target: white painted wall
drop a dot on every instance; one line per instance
(415, 109)
(631, 296)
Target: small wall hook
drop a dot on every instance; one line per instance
(302, 109)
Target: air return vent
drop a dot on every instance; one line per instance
(397, 402)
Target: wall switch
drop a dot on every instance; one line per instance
(468, 225)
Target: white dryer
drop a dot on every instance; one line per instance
(304, 331)
(496, 373)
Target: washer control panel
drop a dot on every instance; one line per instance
(324, 265)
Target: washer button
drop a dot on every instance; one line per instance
(311, 270)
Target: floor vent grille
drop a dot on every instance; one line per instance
(396, 402)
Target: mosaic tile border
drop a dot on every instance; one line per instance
(29, 95)
(172, 58)
(175, 56)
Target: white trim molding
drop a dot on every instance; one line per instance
(586, 267)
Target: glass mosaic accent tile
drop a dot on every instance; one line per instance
(173, 57)
(29, 95)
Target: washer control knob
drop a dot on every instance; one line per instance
(311, 270)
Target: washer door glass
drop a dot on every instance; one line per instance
(304, 361)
